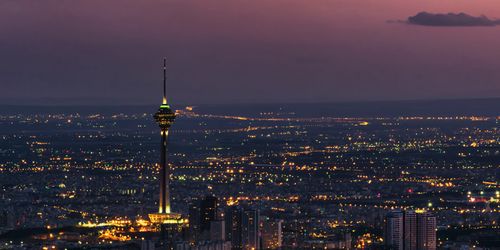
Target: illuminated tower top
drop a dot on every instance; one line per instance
(164, 116)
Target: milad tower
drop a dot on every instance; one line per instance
(165, 118)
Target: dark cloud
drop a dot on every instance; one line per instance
(451, 19)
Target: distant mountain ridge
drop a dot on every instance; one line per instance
(468, 107)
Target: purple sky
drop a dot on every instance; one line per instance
(226, 51)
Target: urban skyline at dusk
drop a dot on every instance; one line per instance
(276, 125)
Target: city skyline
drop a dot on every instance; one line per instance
(329, 124)
(275, 179)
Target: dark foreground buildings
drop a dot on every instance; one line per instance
(411, 230)
(235, 227)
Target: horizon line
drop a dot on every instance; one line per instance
(248, 103)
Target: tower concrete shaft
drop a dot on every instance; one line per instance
(164, 175)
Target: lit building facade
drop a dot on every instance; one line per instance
(208, 214)
(272, 235)
(233, 220)
(426, 231)
(394, 231)
(411, 230)
(250, 233)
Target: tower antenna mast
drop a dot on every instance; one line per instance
(164, 80)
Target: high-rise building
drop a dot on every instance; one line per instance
(165, 118)
(233, 221)
(217, 230)
(205, 245)
(250, 233)
(394, 231)
(242, 228)
(208, 209)
(271, 233)
(201, 214)
(426, 230)
(148, 245)
(194, 222)
(411, 230)
(206, 229)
